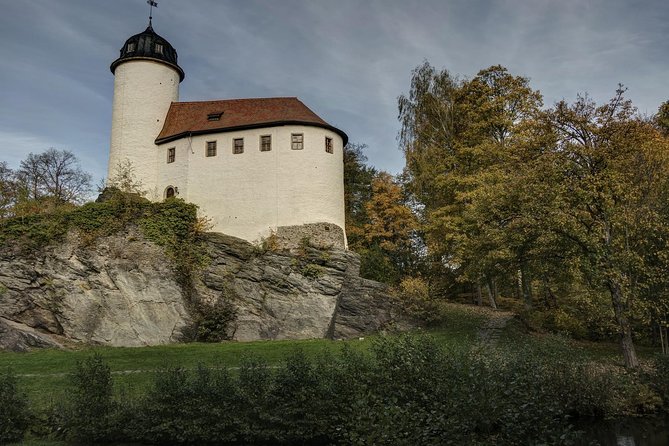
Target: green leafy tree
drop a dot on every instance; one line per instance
(358, 178)
(459, 137)
(662, 117)
(610, 173)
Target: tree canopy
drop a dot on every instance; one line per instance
(568, 200)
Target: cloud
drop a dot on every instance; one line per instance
(348, 60)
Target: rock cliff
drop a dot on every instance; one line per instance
(122, 290)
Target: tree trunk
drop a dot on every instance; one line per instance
(479, 297)
(525, 286)
(620, 311)
(492, 290)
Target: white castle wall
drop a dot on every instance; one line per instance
(143, 91)
(249, 194)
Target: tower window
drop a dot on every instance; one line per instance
(265, 143)
(171, 154)
(170, 192)
(238, 146)
(159, 48)
(211, 148)
(214, 116)
(297, 141)
(328, 145)
(131, 47)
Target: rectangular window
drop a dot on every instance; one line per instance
(171, 154)
(159, 48)
(328, 145)
(211, 148)
(265, 143)
(297, 141)
(238, 146)
(131, 47)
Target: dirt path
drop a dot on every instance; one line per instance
(490, 332)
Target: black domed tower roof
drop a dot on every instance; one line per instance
(149, 46)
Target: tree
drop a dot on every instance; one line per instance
(459, 137)
(379, 225)
(357, 192)
(611, 171)
(7, 190)
(54, 174)
(125, 180)
(662, 118)
(390, 229)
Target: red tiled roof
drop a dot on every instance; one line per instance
(191, 118)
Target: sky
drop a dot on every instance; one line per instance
(348, 60)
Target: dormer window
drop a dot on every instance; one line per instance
(214, 116)
(131, 47)
(159, 48)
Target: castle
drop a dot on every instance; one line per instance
(253, 166)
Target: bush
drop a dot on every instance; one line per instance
(414, 296)
(213, 322)
(375, 265)
(91, 409)
(14, 413)
(185, 407)
(406, 390)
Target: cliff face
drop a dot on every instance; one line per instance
(122, 290)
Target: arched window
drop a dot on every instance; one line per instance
(170, 192)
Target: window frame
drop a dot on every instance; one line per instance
(329, 145)
(171, 154)
(269, 138)
(235, 149)
(209, 145)
(297, 145)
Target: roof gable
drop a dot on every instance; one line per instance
(196, 118)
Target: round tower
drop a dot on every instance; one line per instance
(146, 82)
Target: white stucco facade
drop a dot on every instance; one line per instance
(252, 193)
(143, 92)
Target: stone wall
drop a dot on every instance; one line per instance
(318, 235)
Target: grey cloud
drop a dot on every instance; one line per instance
(347, 59)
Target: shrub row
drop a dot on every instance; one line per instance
(406, 391)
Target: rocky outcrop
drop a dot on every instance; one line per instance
(118, 290)
(122, 290)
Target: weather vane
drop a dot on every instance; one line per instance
(151, 5)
